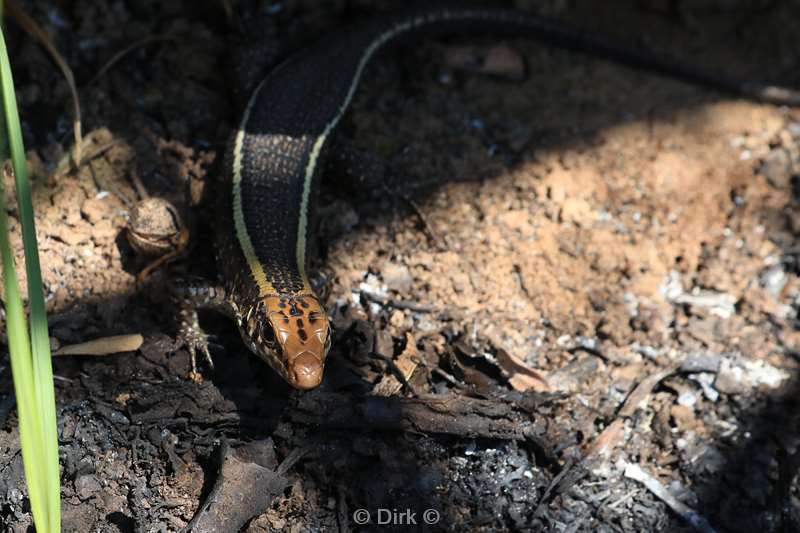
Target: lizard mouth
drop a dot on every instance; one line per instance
(306, 371)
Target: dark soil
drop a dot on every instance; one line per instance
(566, 274)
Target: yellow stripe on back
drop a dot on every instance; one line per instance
(245, 242)
(256, 268)
(313, 157)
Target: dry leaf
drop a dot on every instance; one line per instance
(104, 346)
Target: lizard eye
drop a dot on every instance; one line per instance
(267, 333)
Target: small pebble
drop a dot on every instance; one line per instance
(777, 168)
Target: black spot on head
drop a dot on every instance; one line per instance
(286, 320)
(302, 334)
(304, 304)
(300, 323)
(313, 316)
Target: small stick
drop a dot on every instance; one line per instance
(441, 373)
(695, 519)
(141, 190)
(116, 58)
(399, 304)
(32, 28)
(290, 460)
(427, 228)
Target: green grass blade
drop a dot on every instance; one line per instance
(22, 371)
(38, 430)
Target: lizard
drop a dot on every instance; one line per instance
(272, 163)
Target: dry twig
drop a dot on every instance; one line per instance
(696, 520)
(116, 58)
(32, 28)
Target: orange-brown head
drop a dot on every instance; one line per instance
(292, 334)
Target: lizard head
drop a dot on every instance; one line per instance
(292, 334)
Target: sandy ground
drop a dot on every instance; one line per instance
(549, 248)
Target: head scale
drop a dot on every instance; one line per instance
(292, 334)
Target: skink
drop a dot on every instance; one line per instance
(272, 167)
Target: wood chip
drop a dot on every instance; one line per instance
(406, 363)
(522, 377)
